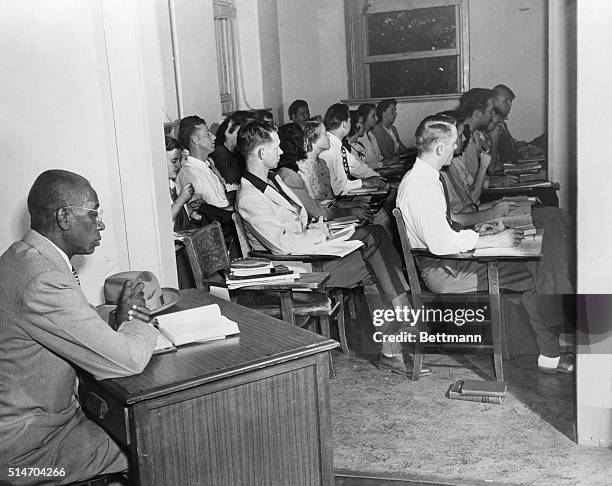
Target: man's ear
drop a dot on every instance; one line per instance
(63, 216)
(260, 152)
(438, 149)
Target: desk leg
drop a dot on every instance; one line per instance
(287, 313)
(496, 318)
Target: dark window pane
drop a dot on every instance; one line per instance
(422, 29)
(414, 77)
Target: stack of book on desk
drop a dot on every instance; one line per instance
(478, 391)
(256, 271)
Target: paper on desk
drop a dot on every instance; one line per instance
(530, 246)
(332, 248)
(199, 324)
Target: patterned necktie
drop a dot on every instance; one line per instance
(76, 276)
(453, 224)
(345, 161)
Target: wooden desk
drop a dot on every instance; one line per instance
(249, 410)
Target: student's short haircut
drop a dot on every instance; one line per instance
(335, 115)
(313, 131)
(262, 115)
(187, 126)
(295, 106)
(475, 100)
(253, 135)
(172, 144)
(237, 119)
(364, 110)
(384, 106)
(431, 130)
(502, 89)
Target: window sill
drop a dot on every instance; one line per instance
(404, 99)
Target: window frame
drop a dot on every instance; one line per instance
(227, 62)
(356, 38)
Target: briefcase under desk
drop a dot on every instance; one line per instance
(248, 410)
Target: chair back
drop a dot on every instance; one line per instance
(245, 246)
(411, 268)
(207, 253)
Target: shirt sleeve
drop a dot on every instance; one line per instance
(211, 190)
(425, 214)
(58, 316)
(339, 182)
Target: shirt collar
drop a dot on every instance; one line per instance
(62, 254)
(334, 140)
(425, 170)
(256, 181)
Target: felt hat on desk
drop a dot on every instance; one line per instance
(157, 299)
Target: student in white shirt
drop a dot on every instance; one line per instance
(346, 172)
(423, 202)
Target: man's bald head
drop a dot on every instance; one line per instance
(54, 189)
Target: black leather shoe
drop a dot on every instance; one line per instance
(566, 365)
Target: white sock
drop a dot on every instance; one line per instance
(546, 362)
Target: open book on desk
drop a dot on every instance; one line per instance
(529, 247)
(205, 323)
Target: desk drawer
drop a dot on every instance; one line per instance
(105, 410)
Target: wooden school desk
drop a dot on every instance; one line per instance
(246, 410)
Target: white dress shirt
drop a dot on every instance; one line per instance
(420, 197)
(333, 158)
(205, 181)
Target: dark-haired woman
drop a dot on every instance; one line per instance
(227, 161)
(385, 132)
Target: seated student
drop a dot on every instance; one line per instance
(385, 132)
(347, 173)
(210, 202)
(49, 329)
(315, 173)
(294, 163)
(422, 200)
(227, 161)
(462, 189)
(502, 143)
(277, 221)
(351, 140)
(179, 210)
(476, 106)
(180, 217)
(293, 151)
(299, 112)
(366, 114)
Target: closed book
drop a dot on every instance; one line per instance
(250, 263)
(480, 387)
(476, 398)
(266, 272)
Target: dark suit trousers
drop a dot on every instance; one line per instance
(378, 263)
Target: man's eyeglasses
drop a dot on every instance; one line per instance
(98, 212)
